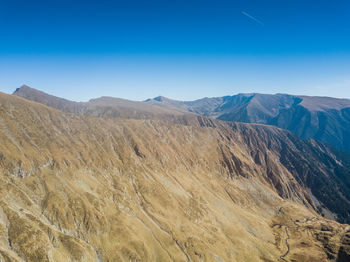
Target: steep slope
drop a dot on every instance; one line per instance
(323, 118)
(81, 188)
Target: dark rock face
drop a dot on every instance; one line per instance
(344, 250)
(322, 118)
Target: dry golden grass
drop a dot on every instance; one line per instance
(75, 188)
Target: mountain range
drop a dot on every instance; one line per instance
(325, 119)
(163, 180)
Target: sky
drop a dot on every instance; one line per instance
(182, 49)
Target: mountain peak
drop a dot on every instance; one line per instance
(35, 95)
(161, 98)
(22, 88)
(27, 92)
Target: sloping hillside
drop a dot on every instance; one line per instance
(81, 188)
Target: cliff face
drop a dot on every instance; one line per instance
(76, 187)
(322, 118)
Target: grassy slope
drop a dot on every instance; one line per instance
(75, 188)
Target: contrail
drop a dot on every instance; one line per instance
(253, 18)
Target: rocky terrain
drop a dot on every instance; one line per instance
(112, 180)
(325, 119)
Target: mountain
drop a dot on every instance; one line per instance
(99, 107)
(80, 185)
(322, 118)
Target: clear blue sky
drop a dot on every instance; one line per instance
(183, 49)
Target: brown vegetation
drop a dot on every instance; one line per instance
(75, 187)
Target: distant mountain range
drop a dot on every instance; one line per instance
(322, 118)
(103, 106)
(325, 119)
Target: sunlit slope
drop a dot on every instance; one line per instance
(79, 188)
